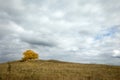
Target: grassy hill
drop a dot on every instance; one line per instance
(57, 70)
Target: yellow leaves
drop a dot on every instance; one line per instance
(29, 54)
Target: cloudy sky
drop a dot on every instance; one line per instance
(83, 31)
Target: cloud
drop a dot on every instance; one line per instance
(8, 28)
(78, 31)
(116, 53)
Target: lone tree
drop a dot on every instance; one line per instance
(29, 54)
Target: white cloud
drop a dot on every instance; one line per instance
(58, 14)
(116, 53)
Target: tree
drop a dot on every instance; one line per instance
(29, 54)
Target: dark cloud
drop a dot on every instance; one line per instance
(40, 43)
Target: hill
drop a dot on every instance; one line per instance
(57, 70)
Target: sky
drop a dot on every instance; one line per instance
(82, 31)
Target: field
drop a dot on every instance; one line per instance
(57, 70)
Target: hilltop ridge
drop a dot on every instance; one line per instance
(57, 70)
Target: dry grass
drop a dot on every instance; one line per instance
(56, 70)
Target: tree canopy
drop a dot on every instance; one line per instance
(29, 54)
